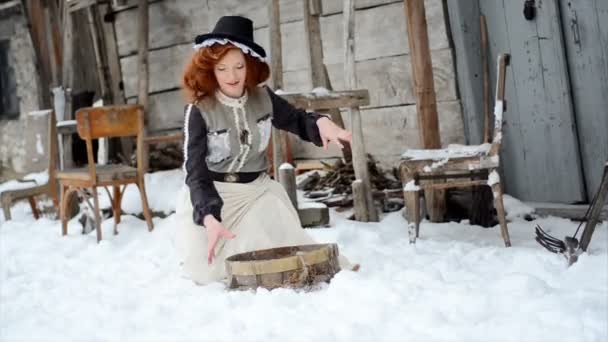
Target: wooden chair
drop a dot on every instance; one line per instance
(7, 198)
(99, 122)
(457, 166)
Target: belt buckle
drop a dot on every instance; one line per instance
(231, 178)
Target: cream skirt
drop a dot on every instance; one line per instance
(259, 213)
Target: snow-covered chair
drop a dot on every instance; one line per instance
(30, 189)
(457, 166)
(100, 122)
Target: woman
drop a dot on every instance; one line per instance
(232, 205)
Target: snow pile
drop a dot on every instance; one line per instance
(452, 151)
(457, 283)
(29, 181)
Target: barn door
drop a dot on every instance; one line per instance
(540, 155)
(585, 27)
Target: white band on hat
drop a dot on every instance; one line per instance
(246, 49)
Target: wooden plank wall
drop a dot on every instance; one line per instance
(586, 40)
(381, 56)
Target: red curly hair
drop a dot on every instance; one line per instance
(199, 80)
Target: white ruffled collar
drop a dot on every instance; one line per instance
(226, 100)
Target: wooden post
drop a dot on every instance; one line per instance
(350, 80)
(279, 139)
(99, 49)
(118, 146)
(426, 104)
(142, 74)
(487, 120)
(422, 70)
(34, 15)
(67, 79)
(318, 70)
(53, 40)
(595, 210)
(287, 178)
(359, 201)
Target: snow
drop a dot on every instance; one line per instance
(411, 186)
(286, 166)
(43, 112)
(493, 178)
(457, 283)
(452, 151)
(311, 204)
(66, 123)
(38, 178)
(320, 91)
(498, 111)
(39, 147)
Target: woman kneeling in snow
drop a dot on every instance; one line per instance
(231, 205)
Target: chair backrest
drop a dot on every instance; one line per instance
(53, 143)
(500, 103)
(111, 121)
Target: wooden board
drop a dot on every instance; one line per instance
(386, 78)
(464, 20)
(334, 7)
(166, 67)
(399, 132)
(586, 42)
(171, 22)
(380, 31)
(540, 152)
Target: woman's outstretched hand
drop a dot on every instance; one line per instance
(330, 132)
(215, 230)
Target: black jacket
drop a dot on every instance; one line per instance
(205, 198)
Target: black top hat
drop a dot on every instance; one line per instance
(235, 28)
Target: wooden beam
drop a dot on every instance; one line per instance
(318, 71)
(426, 103)
(97, 37)
(329, 100)
(312, 30)
(422, 70)
(358, 149)
(287, 178)
(34, 14)
(53, 40)
(142, 75)
(67, 80)
(75, 5)
(279, 138)
(113, 59)
(487, 118)
(595, 210)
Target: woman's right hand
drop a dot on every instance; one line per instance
(215, 230)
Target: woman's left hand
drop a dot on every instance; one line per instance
(330, 132)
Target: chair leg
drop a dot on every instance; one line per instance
(500, 211)
(97, 215)
(6, 208)
(63, 209)
(116, 207)
(435, 204)
(412, 204)
(144, 202)
(34, 207)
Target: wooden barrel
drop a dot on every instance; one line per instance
(290, 267)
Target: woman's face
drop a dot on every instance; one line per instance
(230, 72)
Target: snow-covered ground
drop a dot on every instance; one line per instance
(458, 283)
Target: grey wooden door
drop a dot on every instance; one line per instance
(540, 155)
(585, 27)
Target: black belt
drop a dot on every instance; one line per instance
(235, 177)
